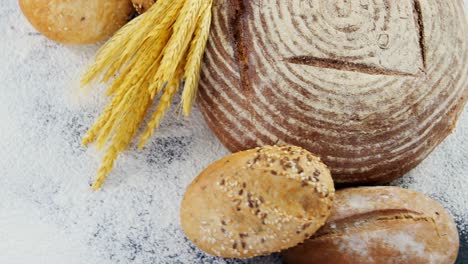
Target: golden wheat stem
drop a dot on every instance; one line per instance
(175, 49)
(124, 134)
(151, 53)
(163, 106)
(195, 56)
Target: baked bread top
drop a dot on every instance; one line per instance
(381, 225)
(371, 87)
(257, 202)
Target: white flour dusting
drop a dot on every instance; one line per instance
(49, 215)
(357, 244)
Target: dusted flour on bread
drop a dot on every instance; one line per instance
(387, 225)
(371, 87)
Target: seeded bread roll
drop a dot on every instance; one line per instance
(257, 202)
(75, 22)
(381, 225)
(371, 87)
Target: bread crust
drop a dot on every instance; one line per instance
(257, 202)
(381, 225)
(370, 88)
(75, 22)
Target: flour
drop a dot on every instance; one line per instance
(49, 215)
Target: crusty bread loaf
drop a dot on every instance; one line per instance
(75, 22)
(371, 87)
(381, 225)
(257, 202)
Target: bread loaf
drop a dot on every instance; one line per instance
(381, 225)
(75, 22)
(371, 87)
(257, 202)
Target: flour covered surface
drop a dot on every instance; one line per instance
(48, 213)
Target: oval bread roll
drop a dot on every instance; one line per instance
(142, 5)
(381, 225)
(257, 202)
(371, 87)
(77, 21)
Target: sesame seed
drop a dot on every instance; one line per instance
(243, 244)
(274, 172)
(241, 191)
(234, 246)
(300, 170)
(316, 173)
(223, 222)
(222, 182)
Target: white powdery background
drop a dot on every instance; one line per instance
(49, 215)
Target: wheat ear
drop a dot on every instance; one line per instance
(177, 46)
(164, 104)
(195, 56)
(154, 52)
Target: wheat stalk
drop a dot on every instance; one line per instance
(164, 105)
(152, 53)
(124, 134)
(197, 49)
(184, 28)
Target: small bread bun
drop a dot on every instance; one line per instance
(79, 21)
(381, 225)
(142, 6)
(257, 202)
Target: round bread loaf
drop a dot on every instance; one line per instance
(77, 21)
(142, 5)
(257, 202)
(381, 225)
(371, 87)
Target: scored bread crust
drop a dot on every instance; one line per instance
(381, 225)
(371, 87)
(257, 202)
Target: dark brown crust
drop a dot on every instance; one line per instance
(360, 149)
(418, 17)
(344, 65)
